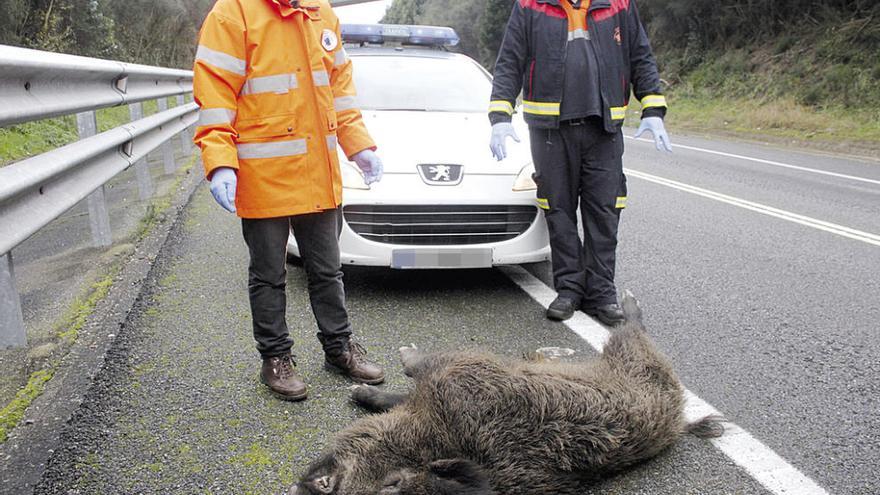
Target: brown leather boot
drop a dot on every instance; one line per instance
(279, 375)
(352, 362)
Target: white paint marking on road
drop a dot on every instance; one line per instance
(766, 162)
(763, 209)
(758, 460)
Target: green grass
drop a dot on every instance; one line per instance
(782, 118)
(83, 307)
(12, 414)
(30, 139)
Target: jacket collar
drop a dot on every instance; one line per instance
(311, 8)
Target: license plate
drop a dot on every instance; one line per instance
(403, 259)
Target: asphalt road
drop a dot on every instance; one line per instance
(770, 321)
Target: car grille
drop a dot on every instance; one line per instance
(439, 225)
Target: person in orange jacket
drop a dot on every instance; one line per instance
(276, 98)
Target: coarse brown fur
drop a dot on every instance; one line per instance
(477, 424)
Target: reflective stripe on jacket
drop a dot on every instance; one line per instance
(276, 94)
(532, 61)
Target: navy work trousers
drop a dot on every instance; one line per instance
(581, 164)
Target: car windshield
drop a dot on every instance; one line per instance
(433, 84)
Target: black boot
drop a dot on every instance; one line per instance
(562, 308)
(609, 314)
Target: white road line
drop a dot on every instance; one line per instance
(766, 162)
(758, 460)
(763, 209)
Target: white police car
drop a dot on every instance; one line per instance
(444, 201)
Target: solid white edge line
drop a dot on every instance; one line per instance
(833, 228)
(763, 464)
(766, 162)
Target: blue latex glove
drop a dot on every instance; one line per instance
(223, 184)
(500, 132)
(655, 125)
(370, 163)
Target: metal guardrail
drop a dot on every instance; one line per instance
(36, 85)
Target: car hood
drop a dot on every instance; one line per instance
(406, 139)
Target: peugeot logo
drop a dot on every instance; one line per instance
(441, 175)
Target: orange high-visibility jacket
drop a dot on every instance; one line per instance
(276, 94)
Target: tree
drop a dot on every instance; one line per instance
(404, 12)
(14, 14)
(491, 29)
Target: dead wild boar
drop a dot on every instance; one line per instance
(477, 424)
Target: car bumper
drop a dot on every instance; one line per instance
(399, 189)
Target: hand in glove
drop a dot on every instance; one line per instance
(500, 132)
(223, 184)
(370, 164)
(655, 125)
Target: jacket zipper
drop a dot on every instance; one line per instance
(303, 20)
(591, 27)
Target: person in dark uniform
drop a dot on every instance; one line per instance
(576, 63)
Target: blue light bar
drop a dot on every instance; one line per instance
(407, 35)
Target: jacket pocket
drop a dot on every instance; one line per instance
(261, 128)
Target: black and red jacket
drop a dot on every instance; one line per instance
(532, 60)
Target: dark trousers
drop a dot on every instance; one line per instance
(581, 164)
(317, 236)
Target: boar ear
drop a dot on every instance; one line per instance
(321, 476)
(459, 476)
(323, 485)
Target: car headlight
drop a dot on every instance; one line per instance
(352, 177)
(524, 181)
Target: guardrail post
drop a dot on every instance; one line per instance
(12, 333)
(184, 146)
(141, 168)
(99, 219)
(167, 148)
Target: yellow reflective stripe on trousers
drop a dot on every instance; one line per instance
(277, 149)
(279, 84)
(621, 202)
(653, 101)
(215, 116)
(344, 103)
(543, 203)
(540, 108)
(618, 113)
(221, 60)
(501, 106)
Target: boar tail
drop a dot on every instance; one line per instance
(708, 427)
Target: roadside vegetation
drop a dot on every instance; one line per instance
(158, 32)
(45, 354)
(32, 138)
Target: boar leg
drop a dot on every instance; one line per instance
(417, 364)
(376, 400)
